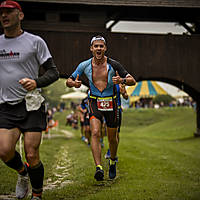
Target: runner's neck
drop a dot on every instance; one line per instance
(13, 33)
(97, 62)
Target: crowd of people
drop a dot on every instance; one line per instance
(22, 107)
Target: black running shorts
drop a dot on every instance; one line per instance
(86, 119)
(110, 116)
(16, 116)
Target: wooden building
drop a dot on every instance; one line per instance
(68, 25)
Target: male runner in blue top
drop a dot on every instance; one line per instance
(101, 73)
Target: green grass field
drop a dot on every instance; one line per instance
(159, 159)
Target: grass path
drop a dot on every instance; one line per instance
(158, 160)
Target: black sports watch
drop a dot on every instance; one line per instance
(123, 80)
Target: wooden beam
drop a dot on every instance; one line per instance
(146, 3)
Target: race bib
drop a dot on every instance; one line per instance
(105, 104)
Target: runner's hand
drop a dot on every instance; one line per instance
(77, 82)
(28, 84)
(117, 79)
(122, 88)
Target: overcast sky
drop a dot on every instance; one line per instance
(147, 27)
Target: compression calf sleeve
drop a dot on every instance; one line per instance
(36, 175)
(16, 163)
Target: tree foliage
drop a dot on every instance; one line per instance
(53, 92)
(166, 99)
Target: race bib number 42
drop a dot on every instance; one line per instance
(105, 104)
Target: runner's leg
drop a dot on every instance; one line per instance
(113, 141)
(8, 140)
(36, 170)
(95, 126)
(13, 159)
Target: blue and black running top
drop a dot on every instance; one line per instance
(112, 66)
(84, 103)
(118, 96)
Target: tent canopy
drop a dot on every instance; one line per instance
(74, 95)
(145, 89)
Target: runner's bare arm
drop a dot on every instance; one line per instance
(123, 91)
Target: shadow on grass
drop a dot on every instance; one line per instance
(106, 182)
(101, 184)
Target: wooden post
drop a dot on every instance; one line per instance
(197, 133)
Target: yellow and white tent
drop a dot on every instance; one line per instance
(145, 89)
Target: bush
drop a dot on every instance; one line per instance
(53, 92)
(166, 99)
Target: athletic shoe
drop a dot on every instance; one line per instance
(99, 174)
(36, 198)
(112, 170)
(83, 138)
(86, 140)
(107, 155)
(116, 159)
(22, 186)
